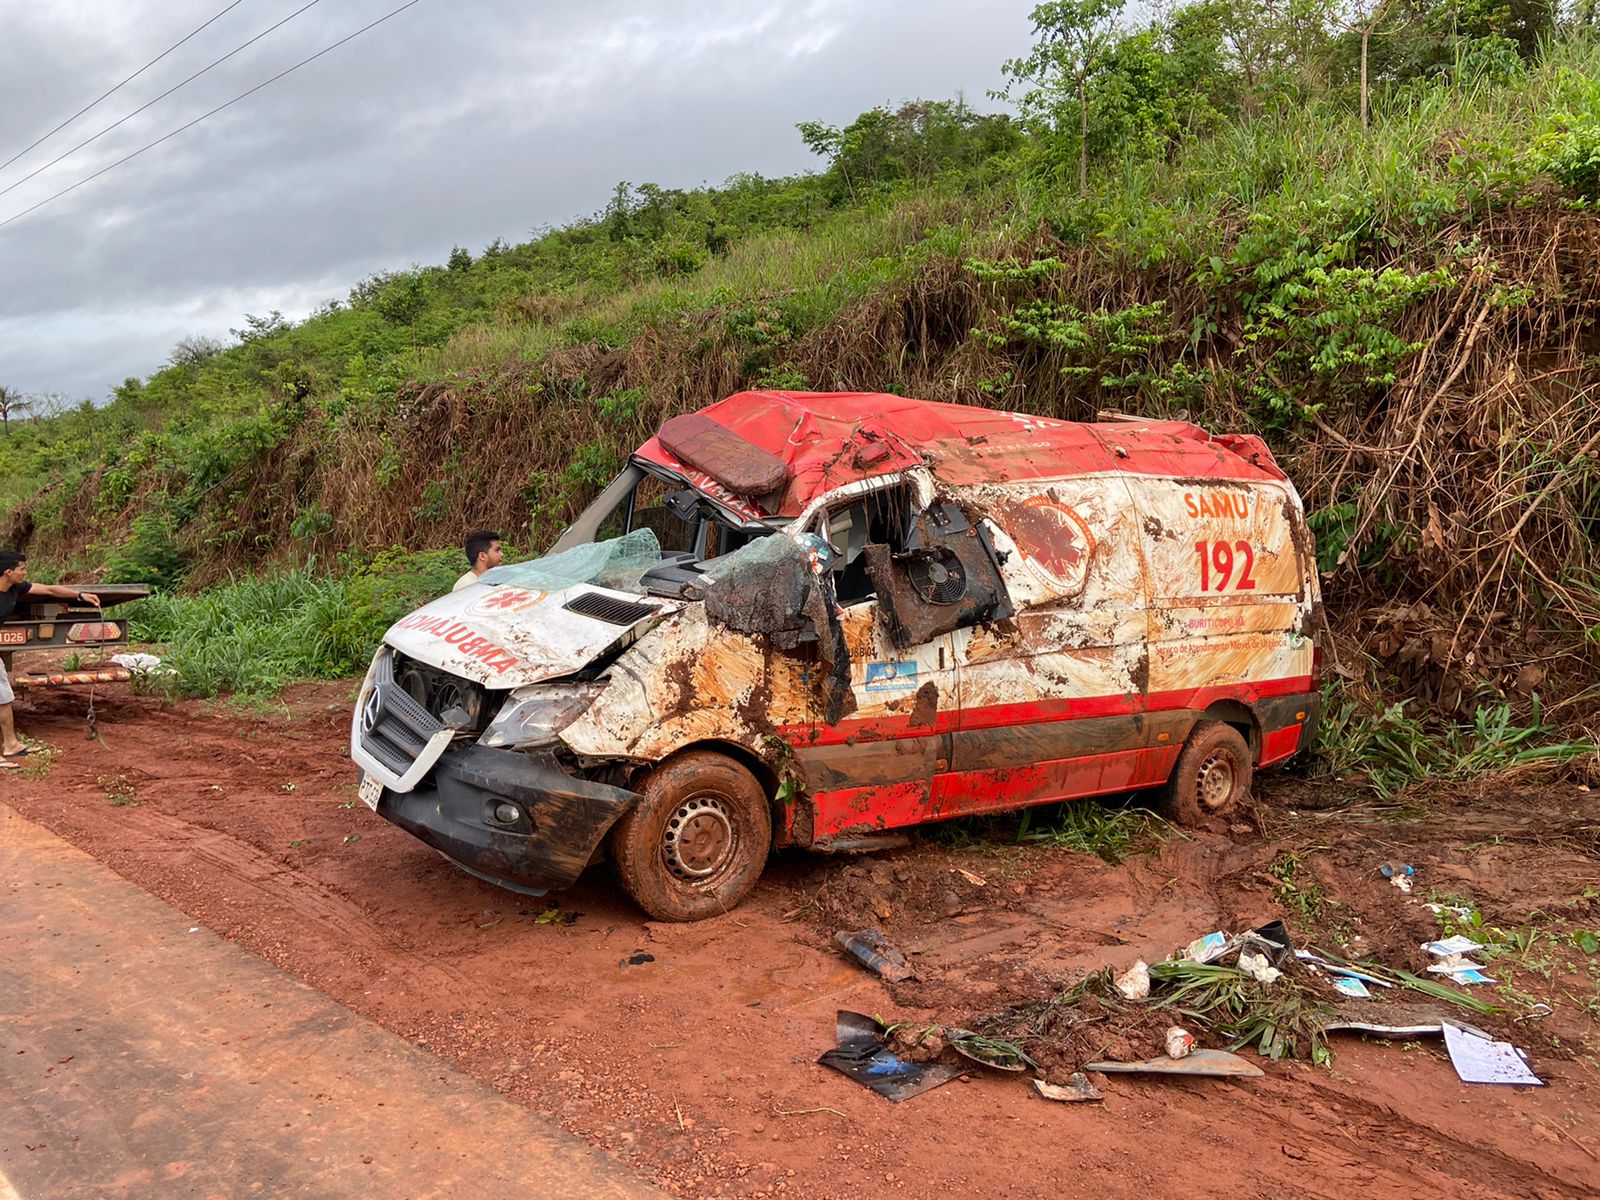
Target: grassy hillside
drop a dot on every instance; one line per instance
(1405, 310)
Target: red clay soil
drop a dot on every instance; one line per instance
(690, 1050)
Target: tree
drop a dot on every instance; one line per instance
(1075, 37)
(256, 328)
(12, 404)
(1363, 17)
(193, 350)
(918, 140)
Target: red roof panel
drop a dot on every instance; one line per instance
(828, 439)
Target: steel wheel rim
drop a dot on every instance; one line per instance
(700, 840)
(1215, 781)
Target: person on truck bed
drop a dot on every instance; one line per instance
(14, 586)
(483, 552)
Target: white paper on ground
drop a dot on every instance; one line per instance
(1352, 987)
(1455, 944)
(1484, 1060)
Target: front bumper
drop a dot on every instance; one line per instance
(560, 822)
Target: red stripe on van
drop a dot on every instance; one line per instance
(967, 793)
(1036, 712)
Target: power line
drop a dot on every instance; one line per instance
(152, 145)
(96, 137)
(118, 87)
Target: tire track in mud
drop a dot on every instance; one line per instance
(211, 764)
(320, 911)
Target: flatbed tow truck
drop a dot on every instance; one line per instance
(51, 624)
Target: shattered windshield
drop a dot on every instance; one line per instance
(617, 563)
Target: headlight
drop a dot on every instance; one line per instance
(537, 715)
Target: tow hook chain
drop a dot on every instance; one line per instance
(91, 720)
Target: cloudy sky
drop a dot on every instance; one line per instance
(456, 122)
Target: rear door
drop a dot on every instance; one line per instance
(1230, 617)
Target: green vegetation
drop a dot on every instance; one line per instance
(1206, 215)
(1392, 748)
(254, 634)
(1108, 831)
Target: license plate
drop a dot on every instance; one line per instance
(13, 637)
(371, 791)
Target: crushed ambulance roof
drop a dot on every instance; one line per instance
(828, 439)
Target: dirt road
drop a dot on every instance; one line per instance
(690, 1050)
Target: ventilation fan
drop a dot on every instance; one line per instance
(937, 576)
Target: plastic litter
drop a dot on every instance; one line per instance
(1179, 1042)
(1352, 987)
(1259, 966)
(863, 1055)
(1205, 949)
(1399, 874)
(875, 952)
(140, 664)
(1134, 983)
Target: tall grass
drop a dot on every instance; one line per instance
(1394, 748)
(255, 635)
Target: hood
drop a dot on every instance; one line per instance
(505, 636)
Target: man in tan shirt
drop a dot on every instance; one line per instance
(483, 552)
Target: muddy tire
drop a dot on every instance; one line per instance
(697, 841)
(1212, 777)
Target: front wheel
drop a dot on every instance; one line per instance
(1212, 777)
(697, 841)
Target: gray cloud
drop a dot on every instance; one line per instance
(454, 123)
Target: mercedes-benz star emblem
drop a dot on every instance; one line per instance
(370, 711)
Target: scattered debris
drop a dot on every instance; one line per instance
(1206, 949)
(1452, 946)
(1399, 874)
(1077, 1089)
(1259, 967)
(988, 1051)
(1478, 1058)
(1316, 961)
(1349, 985)
(1391, 1027)
(862, 1053)
(971, 877)
(1460, 912)
(1461, 972)
(1134, 983)
(1179, 1042)
(876, 953)
(1210, 1063)
(637, 958)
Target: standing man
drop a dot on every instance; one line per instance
(483, 552)
(14, 586)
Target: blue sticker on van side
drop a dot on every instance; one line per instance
(891, 677)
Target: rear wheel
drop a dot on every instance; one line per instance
(1212, 777)
(697, 841)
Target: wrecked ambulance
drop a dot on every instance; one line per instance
(800, 619)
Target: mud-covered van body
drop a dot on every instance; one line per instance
(804, 619)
